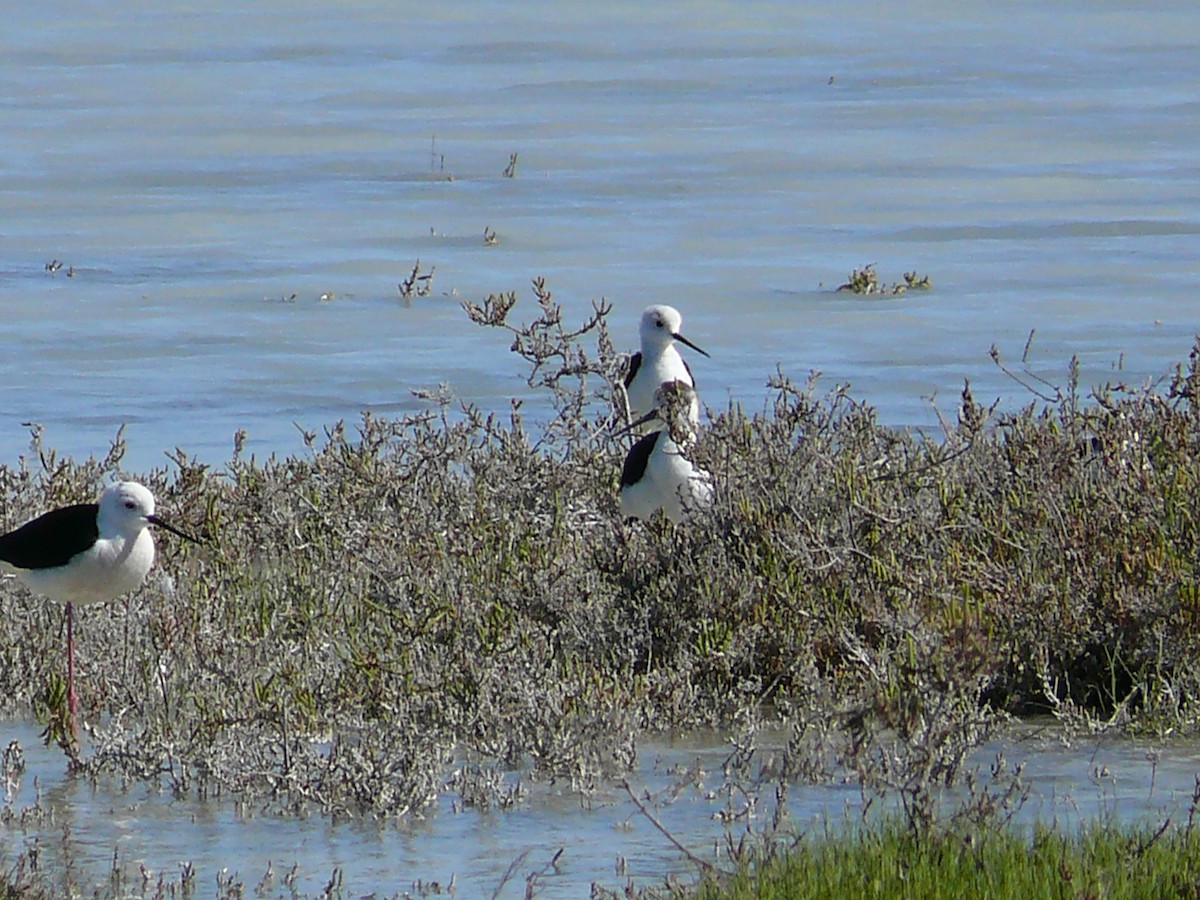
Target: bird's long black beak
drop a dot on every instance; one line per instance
(683, 340)
(155, 520)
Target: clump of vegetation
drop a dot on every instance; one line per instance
(54, 265)
(455, 592)
(866, 281)
(1098, 861)
(417, 284)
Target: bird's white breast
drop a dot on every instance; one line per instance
(663, 367)
(109, 568)
(670, 483)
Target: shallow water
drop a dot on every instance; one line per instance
(605, 841)
(197, 170)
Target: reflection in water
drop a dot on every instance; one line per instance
(604, 838)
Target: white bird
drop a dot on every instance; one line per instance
(86, 553)
(659, 362)
(658, 473)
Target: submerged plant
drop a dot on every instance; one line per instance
(866, 281)
(417, 284)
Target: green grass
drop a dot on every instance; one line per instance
(1097, 862)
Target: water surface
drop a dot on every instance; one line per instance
(604, 838)
(197, 170)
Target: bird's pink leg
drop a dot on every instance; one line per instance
(72, 699)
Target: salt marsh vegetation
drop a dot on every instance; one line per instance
(450, 601)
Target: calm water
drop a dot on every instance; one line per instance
(1086, 781)
(1039, 161)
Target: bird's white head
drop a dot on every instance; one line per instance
(660, 326)
(125, 508)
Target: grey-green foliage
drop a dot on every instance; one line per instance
(446, 597)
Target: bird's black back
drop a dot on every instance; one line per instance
(688, 369)
(635, 363)
(52, 538)
(637, 458)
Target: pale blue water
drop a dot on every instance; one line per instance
(604, 838)
(196, 168)
(737, 161)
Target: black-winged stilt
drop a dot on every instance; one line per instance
(86, 553)
(658, 362)
(658, 473)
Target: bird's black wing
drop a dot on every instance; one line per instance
(635, 363)
(688, 369)
(638, 457)
(51, 539)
